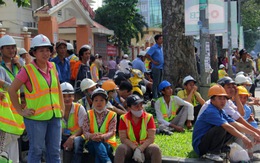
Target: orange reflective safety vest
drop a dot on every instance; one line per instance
(164, 112)
(43, 98)
(10, 122)
(73, 121)
(143, 131)
(93, 126)
(94, 74)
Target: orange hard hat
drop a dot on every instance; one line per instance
(217, 90)
(242, 90)
(109, 85)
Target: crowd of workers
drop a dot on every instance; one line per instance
(61, 103)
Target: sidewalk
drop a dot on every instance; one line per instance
(197, 160)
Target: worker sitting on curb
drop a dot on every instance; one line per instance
(214, 129)
(171, 111)
(71, 126)
(137, 134)
(222, 72)
(99, 128)
(191, 95)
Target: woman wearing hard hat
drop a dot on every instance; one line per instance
(42, 116)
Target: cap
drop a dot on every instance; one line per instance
(133, 100)
(221, 66)
(61, 43)
(125, 56)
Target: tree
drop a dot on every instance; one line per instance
(122, 17)
(178, 49)
(19, 2)
(251, 22)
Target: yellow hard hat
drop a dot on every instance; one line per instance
(217, 90)
(242, 90)
(109, 85)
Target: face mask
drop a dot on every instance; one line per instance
(137, 113)
(99, 111)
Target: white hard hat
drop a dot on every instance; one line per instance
(40, 40)
(97, 55)
(99, 91)
(67, 88)
(188, 78)
(142, 53)
(69, 46)
(7, 40)
(125, 56)
(86, 84)
(240, 73)
(221, 66)
(143, 89)
(86, 46)
(241, 79)
(249, 80)
(22, 51)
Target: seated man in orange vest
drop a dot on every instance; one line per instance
(167, 110)
(71, 126)
(137, 133)
(99, 128)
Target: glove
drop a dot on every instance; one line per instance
(138, 155)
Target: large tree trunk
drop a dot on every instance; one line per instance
(178, 49)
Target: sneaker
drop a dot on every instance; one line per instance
(213, 157)
(166, 132)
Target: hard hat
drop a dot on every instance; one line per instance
(7, 40)
(67, 88)
(109, 85)
(22, 51)
(241, 79)
(143, 89)
(125, 56)
(133, 100)
(99, 91)
(242, 90)
(242, 51)
(221, 66)
(40, 40)
(163, 85)
(240, 73)
(97, 55)
(249, 80)
(86, 46)
(86, 84)
(61, 42)
(142, 53)
(70, 46)
(188, 78)
(225, 80)
(217, 90)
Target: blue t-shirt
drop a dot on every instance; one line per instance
(63, 69)
(138, 64)
(248, 112)
(156, 53)
(209, 118)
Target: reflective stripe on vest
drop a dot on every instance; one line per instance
(93, 126)
(73, 121)
(44, 99)
(9, 122)
(143, 131)
(164, 110)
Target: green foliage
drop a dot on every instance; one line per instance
(122, 17)
(250, 14)
(20, 3)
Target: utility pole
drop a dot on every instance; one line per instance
(205, 76)
(230, 73)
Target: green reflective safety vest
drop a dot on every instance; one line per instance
(43, 98)
(164, 110)
(143, 131)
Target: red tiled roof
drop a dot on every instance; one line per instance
(70, 23)
(97, 25)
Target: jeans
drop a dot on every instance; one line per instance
(77, 149)
(44, 136)
(100, 150)
(157, 79)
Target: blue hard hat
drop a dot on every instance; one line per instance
(164, 84)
